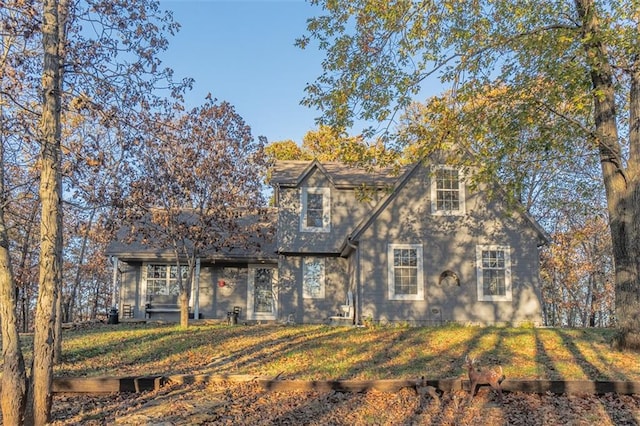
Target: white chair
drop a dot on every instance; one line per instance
(347, 309)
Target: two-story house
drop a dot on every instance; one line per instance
(421, 247)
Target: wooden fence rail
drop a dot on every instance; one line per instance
(101, 385)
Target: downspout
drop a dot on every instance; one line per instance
(114, 281)
(358, 298)
(196, 279)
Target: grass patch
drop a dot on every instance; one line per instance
(322, 352)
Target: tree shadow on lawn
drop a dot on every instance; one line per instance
(301, 351)
(614, 410)
(280, 350)
(594, 372)
(421, 352)
(125, 350)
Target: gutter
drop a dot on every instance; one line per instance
(358, 298)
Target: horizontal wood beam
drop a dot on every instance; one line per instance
(571, 386)
(102, 385)
(338, 385)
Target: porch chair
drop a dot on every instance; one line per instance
(347, 310)
(127, 311)
(232, 316)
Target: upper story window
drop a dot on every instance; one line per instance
(447, 191)
(313, 278)
(405, 272)
(315, 214)
(493, 265)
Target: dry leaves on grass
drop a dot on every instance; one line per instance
(247, 403)
(345, 352)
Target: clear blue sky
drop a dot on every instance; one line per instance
(243, 52)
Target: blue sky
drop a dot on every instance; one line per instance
(243, 52)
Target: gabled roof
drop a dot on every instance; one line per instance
(397, 188)
(292, 173)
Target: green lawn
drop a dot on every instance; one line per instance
(322, 352)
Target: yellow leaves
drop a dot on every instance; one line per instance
(79, 102)
(96, 161)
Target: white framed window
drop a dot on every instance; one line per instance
(405, 272)
(162, 280)
(493, 266)
(313, 278)
(315, 210)
(447, 191)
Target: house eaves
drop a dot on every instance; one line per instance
(291, 174)
(301, 176)
(255, 242)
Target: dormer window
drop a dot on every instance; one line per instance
(447, 191)
(315, 215)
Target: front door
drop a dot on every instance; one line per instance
(262, 294)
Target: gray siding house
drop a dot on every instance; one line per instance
(353, 246)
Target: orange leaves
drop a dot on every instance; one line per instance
(577, 273)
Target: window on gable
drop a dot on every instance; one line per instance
(447, 191)
(493, 264)
(313, 278)
(315, 210)
(405, 272)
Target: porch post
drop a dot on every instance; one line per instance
(114, 283)
(196, 293)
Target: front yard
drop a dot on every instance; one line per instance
(319, 352)
(322, 353)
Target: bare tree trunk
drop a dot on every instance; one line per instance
(621, 186)
(14, 384)
(94, 305)
(57, 336)
(63, 10)
(22, 276)
(184, 308)
(39, 402)
(185, 288)
(628, 256)
(70, 299)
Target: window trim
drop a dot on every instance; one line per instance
(167, 278)
(322, 278)
(391, 272)
(326, 209)
(434, 192)
(508, 296)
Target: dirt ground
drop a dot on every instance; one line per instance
(249, 404)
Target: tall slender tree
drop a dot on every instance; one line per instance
(13, 371)
(40, 385)
(108, 77)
